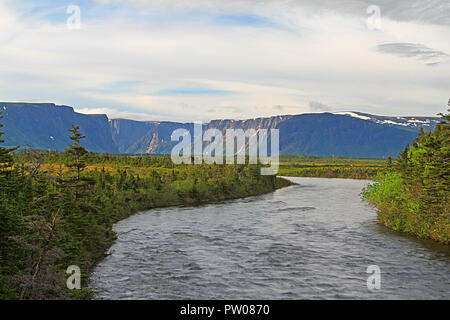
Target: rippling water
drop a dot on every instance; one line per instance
(314, 240)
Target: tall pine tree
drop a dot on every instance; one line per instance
(76, 152)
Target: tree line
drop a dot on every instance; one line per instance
(412, 193)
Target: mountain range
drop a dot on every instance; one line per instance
(341, 134)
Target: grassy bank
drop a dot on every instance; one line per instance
(412, 193)
(325, 167)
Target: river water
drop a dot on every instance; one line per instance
(314, 240)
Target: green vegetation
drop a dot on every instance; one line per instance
(76, 152)
(324, 167)
(412, 193)
(57, 208)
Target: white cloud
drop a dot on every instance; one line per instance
(431, 11)
(321, 53)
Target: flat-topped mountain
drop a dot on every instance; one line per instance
(343, 134)
(44, 126)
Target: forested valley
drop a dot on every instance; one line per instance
(57, 209)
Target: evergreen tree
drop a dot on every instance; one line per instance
(414, 196)
(76, 152)
(11, 223)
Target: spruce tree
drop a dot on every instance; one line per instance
(76, 152)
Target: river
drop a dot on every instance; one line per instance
(313, 240)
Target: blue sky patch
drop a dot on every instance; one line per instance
(245, 20)
(56, 11)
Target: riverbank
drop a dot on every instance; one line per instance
(412, 193)
(55, 219)
(406, 207)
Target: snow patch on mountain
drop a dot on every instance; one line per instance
(418, 121)
(407, 122)
(352, 114)
(392, 122)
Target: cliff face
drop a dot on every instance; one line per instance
(344, 134)
(44, 126)
(307, 134)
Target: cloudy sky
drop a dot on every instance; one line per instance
(209, 59)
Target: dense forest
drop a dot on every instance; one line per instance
(412, 193)
(57, 208)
